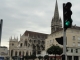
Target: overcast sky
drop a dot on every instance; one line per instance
(34, 15)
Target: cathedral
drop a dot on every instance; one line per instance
(34, 42)
(30, 43)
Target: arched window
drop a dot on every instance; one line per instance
(21, 45)
(11, 52)
(15, 53)
(23, 53)
(30, 53)
(26, 53)
(19, 53)
(25, 43)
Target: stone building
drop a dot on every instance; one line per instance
(72, 35)
(30, 43)
(4, 52)
(73, 41)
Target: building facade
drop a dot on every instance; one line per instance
(30, 43)
(4, 52)
(72, 36)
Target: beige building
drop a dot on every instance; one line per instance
(73, 41)
(29, 43)
(72, 36)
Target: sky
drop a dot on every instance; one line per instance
(33, 15)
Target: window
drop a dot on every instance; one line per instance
(73, 43)
(76, 50)
(73, 37)
(27, 53)
(78, 38)
(16, 53)
(78, 43)
(19, 53)
(25, 43)
(30, 53)
(11, 52)
(23, 53)
(21, 45)
(67, 49)
(71, 50)
(12, 44)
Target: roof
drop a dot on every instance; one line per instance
(3, 47)
(31, 33)
(73, 27)
(58, 30)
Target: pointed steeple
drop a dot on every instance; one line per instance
(56, 13)
(56, 22)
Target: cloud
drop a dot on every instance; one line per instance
(34, 15)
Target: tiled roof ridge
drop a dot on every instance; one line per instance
(75, 26)
(32, 32)
(35, 32)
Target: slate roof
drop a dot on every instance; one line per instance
(31, 33)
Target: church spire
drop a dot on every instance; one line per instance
(56, 13)
(56, 22)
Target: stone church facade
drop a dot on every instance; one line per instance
(30, 43)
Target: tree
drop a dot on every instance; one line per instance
(46, 57)
(40, 57)
(26, 57)
(54, 50)
(33, 57)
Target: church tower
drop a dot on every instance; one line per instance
(56, 22)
